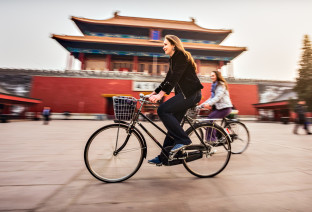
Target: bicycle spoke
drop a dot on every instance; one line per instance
(101, 158)
(216, 159)
(129, 150)
(240, 136)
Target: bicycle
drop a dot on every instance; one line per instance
(115, 152)
(239, 133)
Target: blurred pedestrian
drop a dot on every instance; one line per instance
(46, 113)
(2, 117)
(301, 120)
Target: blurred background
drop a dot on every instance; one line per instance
(98, 49)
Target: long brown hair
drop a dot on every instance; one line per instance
(175, 41)
(221, 79)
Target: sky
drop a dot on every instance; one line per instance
(272, 30)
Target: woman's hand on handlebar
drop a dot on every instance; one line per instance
(206, 106)
(154, 97)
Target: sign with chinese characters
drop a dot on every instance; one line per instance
(144, 86)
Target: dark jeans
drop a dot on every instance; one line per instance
(171, 114)
(211, 134)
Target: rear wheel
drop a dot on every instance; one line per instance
(214, 156)
(103, 160)
(239, 135)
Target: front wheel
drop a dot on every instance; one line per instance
(239, 135)
(113, 154)
(214, 155)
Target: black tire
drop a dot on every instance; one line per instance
(239, 136)
(215, 156)
(99, 155)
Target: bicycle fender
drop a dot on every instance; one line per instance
(203, 123)
(231, 121)
(139, 133)
(144, 141)
(194, 125)
(120, 121)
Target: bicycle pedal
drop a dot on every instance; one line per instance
(171, 156)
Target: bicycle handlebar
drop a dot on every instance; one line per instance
(143, 98)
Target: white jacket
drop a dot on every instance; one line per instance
(221, 99)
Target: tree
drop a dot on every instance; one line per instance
(303, 86)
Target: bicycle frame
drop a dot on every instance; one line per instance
(224, 121)
(124, 137)
(135, 121)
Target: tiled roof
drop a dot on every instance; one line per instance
(152, 23)
(141, 42)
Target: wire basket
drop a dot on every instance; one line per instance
(192, 112)
(124, 107)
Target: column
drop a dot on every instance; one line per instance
(154, 65)
(108, 62)
(135, 64)
(198, 66)
(221, 63)
(69, 65)
(220, 68)
(82, 60)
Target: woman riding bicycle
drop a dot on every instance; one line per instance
(182, 77)
(219, 102)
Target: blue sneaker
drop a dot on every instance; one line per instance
(155, 161)
(178, 147)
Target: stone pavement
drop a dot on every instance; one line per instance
(42, 169)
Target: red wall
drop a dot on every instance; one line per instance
(83, 95)
(77, 95)
(242, 97)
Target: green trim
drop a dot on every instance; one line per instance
(145, 54)
(200, 41)
(110, 35)
(99, 34)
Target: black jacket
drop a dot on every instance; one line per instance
(181, 76)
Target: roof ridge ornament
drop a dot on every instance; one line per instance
(116, 13)
(193, 20)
